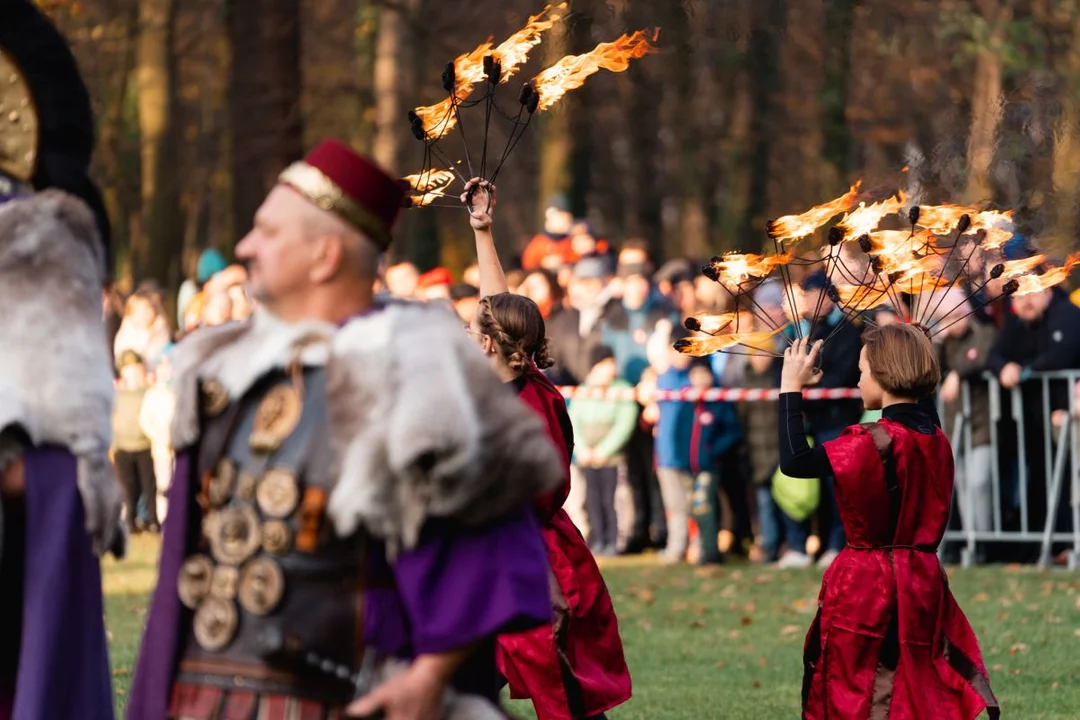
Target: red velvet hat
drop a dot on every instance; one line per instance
(336, 178)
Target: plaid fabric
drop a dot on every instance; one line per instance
(202, 702)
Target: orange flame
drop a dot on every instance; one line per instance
(430, 185)
(795, 227)
(440, 118)
(1015, 268)
(702, 346)
(572, 71)
(1054, 276)
(715, 323)
(512, 53)
(865, 218)
(735, 268)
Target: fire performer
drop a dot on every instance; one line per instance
(889, 639)
(340, 485)
(573, 669)
(56, 389)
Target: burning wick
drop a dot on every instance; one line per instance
(529, 97)
(836, 235)
(692, 324)
(913, 215)
(997, 271)
(864, 243)
(449, 77)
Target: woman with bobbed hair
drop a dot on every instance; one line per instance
(573, 669)
(889, 639)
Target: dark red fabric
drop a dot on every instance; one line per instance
(865, 590)
(594, 648)
(368, 185)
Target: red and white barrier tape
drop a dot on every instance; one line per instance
(710, 395)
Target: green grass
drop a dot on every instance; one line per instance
(727, 643)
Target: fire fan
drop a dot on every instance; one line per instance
(493, 67)
(918, 271)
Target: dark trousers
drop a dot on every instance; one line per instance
(135, 471)
(735, 513)
(12, 564)
(649, 524)
(600, 505)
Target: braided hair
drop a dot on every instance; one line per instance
(516, 326)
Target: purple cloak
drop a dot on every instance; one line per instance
(457, 587)
(63, 661)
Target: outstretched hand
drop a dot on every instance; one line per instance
(479, 196)
(800, 366)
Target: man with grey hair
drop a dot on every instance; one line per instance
(340, 504)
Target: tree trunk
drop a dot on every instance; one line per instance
(264, 99)
(986, 102)
(155, 253)
(393, 51)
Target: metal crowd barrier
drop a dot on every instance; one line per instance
(1061, 454)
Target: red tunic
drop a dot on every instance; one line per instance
(591, 676)
(889, 639)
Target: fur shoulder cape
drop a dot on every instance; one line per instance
(419, 424)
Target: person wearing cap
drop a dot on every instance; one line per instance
(60, 504)
(341, 539)
(576, 329)
(435, 284)
(820, 319)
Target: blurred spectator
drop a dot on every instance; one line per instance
(542, 287)
(144, 330)
(552, 242)
(210, 263)
(465, 298)
(601, 430)
(691, 437)
(155, 420)
(635, 251)
(435, 284)
(471, 276)
(820, 319)
(132, 455)
(675, 281)
(1039, 335)
(402, 280)
(513, 280)
(966, 344)
(574, 331)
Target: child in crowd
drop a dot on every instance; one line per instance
(690, 439)
(132, 456)
(601, 431)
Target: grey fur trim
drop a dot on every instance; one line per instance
(420, 424)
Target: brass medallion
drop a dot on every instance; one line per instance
(220, 488)
(262, 585)
(276, 417)
(235, 534)
(278, 493)
(215, 624)
(245, 486)
(224, 582)
(194, 582)
(213, 397)
(277, 537)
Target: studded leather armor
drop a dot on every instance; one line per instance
(270, 586)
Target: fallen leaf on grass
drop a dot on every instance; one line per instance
(749, 608)
(790, 629)
(746, 620)
(762, 579)
(733, 634)
(756, 684)
(1055, 686)
(981, 598)
(737, 575)
(763, 661)
(120, 672)
(645, 625)
(697, 624)
(720, 665)
(1006, 602)
(997, 668)
(647, 596)
(1014, 671)
(1076, 632)
(1078, 602)
(708, 571)
(1018, 648)
(1002, 616)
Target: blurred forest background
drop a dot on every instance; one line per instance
(751, 109)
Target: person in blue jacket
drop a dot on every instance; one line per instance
(691, 437)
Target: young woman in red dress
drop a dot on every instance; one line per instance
(574, 669)
(889, 639)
